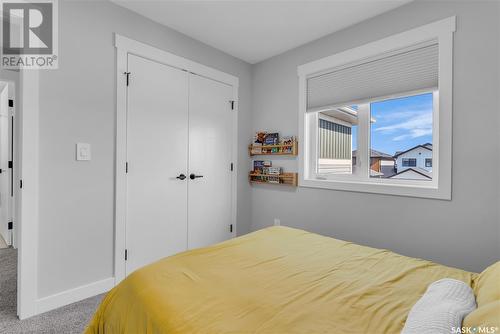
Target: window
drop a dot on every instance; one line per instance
(409, 162)
(400, 130)
(400, 134)
(369, 116)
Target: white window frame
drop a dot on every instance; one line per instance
(440, 186)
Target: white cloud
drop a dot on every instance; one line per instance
(417, 126)
(414, 134)
(404, 112)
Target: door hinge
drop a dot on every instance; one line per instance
(1, 170)
(9, 226)
(21, 184)
(232, 166)
(127, 74)
(126, 255)
(126, 167)
(11, 164)
(232, 105)
(231, 228)
(11, 103)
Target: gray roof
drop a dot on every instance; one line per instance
(375, 154)
(417, 170)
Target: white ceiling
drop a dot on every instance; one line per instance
(256, 30)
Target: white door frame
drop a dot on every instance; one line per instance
(26, 169)
(125, 46)
(13, 85)
(5, 88)
(13, 140)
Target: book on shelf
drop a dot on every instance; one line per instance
(260, 165)
(273, 179)
(287, 140)
(258, 141)
(272, 170)
(256, 148)
(272, 139)
(260, 137)
(263, 143)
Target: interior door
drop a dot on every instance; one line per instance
(157, 135)
(210, 152)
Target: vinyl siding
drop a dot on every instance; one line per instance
(334, 140)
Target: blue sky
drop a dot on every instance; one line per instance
(401, 123)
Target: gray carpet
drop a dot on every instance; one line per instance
(69, 319)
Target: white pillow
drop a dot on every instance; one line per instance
(441, 309)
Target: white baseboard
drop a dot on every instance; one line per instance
(73, 295)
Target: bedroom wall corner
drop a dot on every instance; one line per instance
(463, 232)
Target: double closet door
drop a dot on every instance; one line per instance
(179, 156)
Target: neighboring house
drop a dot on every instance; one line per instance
(413, 173)
(416, 158)
(381, 164)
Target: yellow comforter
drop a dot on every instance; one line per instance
(276, 280)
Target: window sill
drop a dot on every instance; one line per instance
(377, 186)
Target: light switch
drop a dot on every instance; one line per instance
(82, 151)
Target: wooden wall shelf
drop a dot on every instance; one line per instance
(287, 179)
(292, 149)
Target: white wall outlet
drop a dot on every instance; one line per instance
(277, 222)
(83, 152)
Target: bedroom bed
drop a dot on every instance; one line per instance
(278, 280)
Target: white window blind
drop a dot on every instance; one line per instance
(400, 71)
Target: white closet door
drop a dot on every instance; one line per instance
(157, 135)
(210, 151)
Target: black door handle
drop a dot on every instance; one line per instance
(181, 177)
(192, 176)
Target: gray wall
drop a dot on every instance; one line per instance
(463, 232)
(8, 75)
(77, 104)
